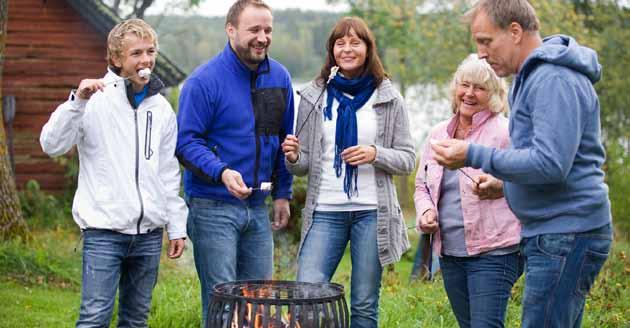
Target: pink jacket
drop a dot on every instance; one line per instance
(488, 224)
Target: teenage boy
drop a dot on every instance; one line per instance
(128, 188)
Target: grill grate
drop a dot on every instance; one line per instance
(277, 304)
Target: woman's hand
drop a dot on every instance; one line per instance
(359, 155)
(427, 222)
(291, 148)
(488, 187)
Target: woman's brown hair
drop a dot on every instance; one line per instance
(372, 65)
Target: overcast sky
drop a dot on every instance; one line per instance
(220, 7)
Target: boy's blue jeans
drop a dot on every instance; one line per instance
(114, 261)
(559, 272)
(324, 247)
(230, 242)
(479, 287)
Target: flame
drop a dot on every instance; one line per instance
(264, 292)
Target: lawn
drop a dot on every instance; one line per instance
(40, 287)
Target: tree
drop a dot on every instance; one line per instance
(137, 8)
(12, 224)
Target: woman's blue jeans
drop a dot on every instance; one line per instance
(324, 247)
(115, 261)
(479, 288)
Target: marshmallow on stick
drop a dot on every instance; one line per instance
(266, 186)
(145, 73)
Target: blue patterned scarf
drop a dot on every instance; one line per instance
(346, 130)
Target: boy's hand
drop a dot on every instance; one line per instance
(176, 248)
(88, 87)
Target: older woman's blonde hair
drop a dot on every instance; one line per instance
(478, 71)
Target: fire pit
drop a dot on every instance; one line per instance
(275, 304)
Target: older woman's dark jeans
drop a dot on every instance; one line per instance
(479, 288)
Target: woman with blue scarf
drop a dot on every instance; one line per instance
(352, 137)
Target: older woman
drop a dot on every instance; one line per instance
(476, 234)
(352, 136)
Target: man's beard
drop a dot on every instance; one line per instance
(246, 54)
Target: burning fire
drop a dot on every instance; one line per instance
(257, 322)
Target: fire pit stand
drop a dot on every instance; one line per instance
(275, 304)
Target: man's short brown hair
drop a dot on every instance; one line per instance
(504, 12)
(116, 37)
(238, 7)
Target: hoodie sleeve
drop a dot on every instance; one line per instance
(177, 212)
(63, 129)
(196, 111)
(283, 178)
(557, 115)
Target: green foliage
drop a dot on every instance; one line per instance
(618, 179)
(47, 260)
(43, 210)
(417, 47)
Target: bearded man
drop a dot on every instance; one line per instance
(234, 111)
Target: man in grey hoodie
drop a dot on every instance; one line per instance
(552, 173)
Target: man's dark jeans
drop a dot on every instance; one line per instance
(559, 272)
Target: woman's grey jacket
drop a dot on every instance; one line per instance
(394, 156)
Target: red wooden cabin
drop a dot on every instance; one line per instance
(51, 45)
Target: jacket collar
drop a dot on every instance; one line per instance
(155, 85)
(385, 92)
(478, 120)
(234, 64)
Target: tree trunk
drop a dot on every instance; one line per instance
(143, 7)
(116, 7)
(12, 224)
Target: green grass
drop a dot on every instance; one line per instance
(40, 287)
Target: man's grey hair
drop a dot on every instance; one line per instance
(504, 12)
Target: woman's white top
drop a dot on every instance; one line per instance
(331, 195)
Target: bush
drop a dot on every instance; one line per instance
(43, 210)
(618, 179)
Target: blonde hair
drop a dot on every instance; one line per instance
(478, 71)
(116, 37)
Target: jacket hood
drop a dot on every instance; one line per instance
(564, 51)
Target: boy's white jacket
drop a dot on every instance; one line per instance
(129, 178)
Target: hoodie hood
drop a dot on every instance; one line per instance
(564, 51)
